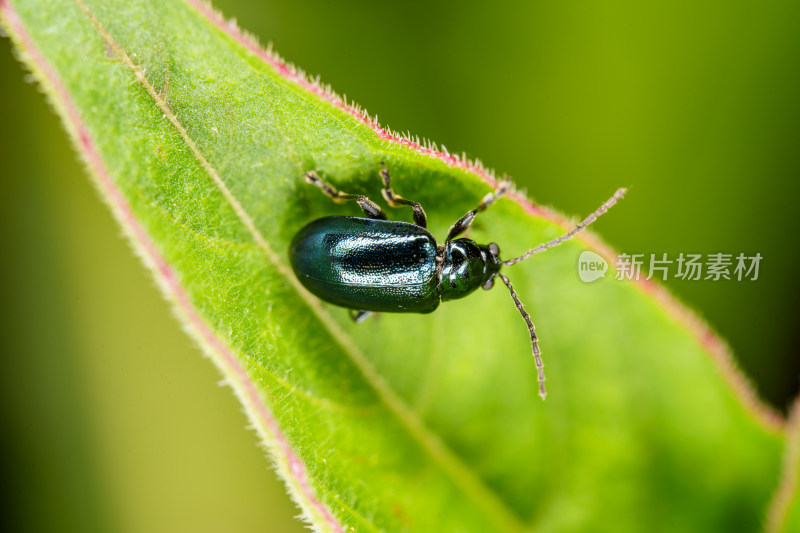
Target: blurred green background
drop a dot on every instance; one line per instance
(112, 419)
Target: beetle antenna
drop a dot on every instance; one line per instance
(555, 242)
(537, 354)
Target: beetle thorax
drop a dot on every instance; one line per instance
(465, 267)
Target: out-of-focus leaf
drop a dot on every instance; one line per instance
(784, 513)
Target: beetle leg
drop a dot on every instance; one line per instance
(359, 316)
(464, 222)
(370, 208)
(395, 200)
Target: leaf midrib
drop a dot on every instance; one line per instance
(471, 485)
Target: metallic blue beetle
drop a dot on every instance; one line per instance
(374, 264)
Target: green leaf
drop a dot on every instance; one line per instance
(784, 513)
(198, 141)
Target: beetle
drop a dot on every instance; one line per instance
(377, 265)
